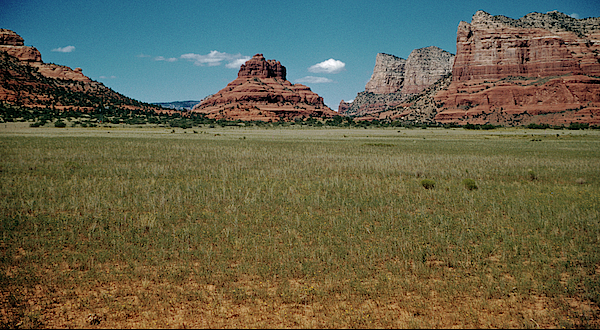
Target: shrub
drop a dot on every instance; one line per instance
(428, 183)
(578, 126)
(532, 175)
(469, 184)
(60, 124)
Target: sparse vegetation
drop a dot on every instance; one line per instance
(469, 184)
(428, 183)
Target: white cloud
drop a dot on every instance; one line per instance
(160, 58)
(66, 49)
(215, 58)
(142, 55)
(237, 63)
(575, 15)
(105, 77)
(329, 66)
(314, 80)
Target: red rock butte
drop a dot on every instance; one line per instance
(261, 92)
(542, 68)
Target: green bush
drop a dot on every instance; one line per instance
(428, 183)
(532, 175)
(60, 123)
(469, 184)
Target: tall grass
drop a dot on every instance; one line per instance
(300, 228)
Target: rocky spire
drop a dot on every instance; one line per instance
(258, 67)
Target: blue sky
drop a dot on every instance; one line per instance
(159, 51)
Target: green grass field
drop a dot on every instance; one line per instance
(234, 227)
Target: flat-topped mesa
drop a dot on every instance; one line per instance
(258, 67)
(536, 45)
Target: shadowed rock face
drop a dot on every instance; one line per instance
(541, 68)
(261, 92)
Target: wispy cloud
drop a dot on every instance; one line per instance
(105, 77)
(314, 80)
(170, 59)
(142, 55)
(66, 49)
(215, 58)
(329, 66)
(237, 63)
(575, 15)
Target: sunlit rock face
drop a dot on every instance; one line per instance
(541, 68)
(261, 92)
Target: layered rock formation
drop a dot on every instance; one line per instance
(29, 82)
(395, 80)
(261, 92)
(542, 68)
(13, 44)
(424, 67)
(388, 74)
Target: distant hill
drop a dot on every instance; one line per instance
(27, 82)
(178, 105)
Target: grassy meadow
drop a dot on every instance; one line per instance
(299, 228)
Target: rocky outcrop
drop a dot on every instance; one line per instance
(260, 68)
(395, 80)
(13, 44)
(343, 106)
(29, 82)
(424, 67)
(261, 92)
(514, 72)
(10, 38)
(388, 74)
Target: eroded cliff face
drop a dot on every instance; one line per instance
(395, 80)
(424, 67)
(261, 92)
(514, 72)
(388, 74)
(537, 45)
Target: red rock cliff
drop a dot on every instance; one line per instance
(496, 47)
(541, 68)
(258, 67)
